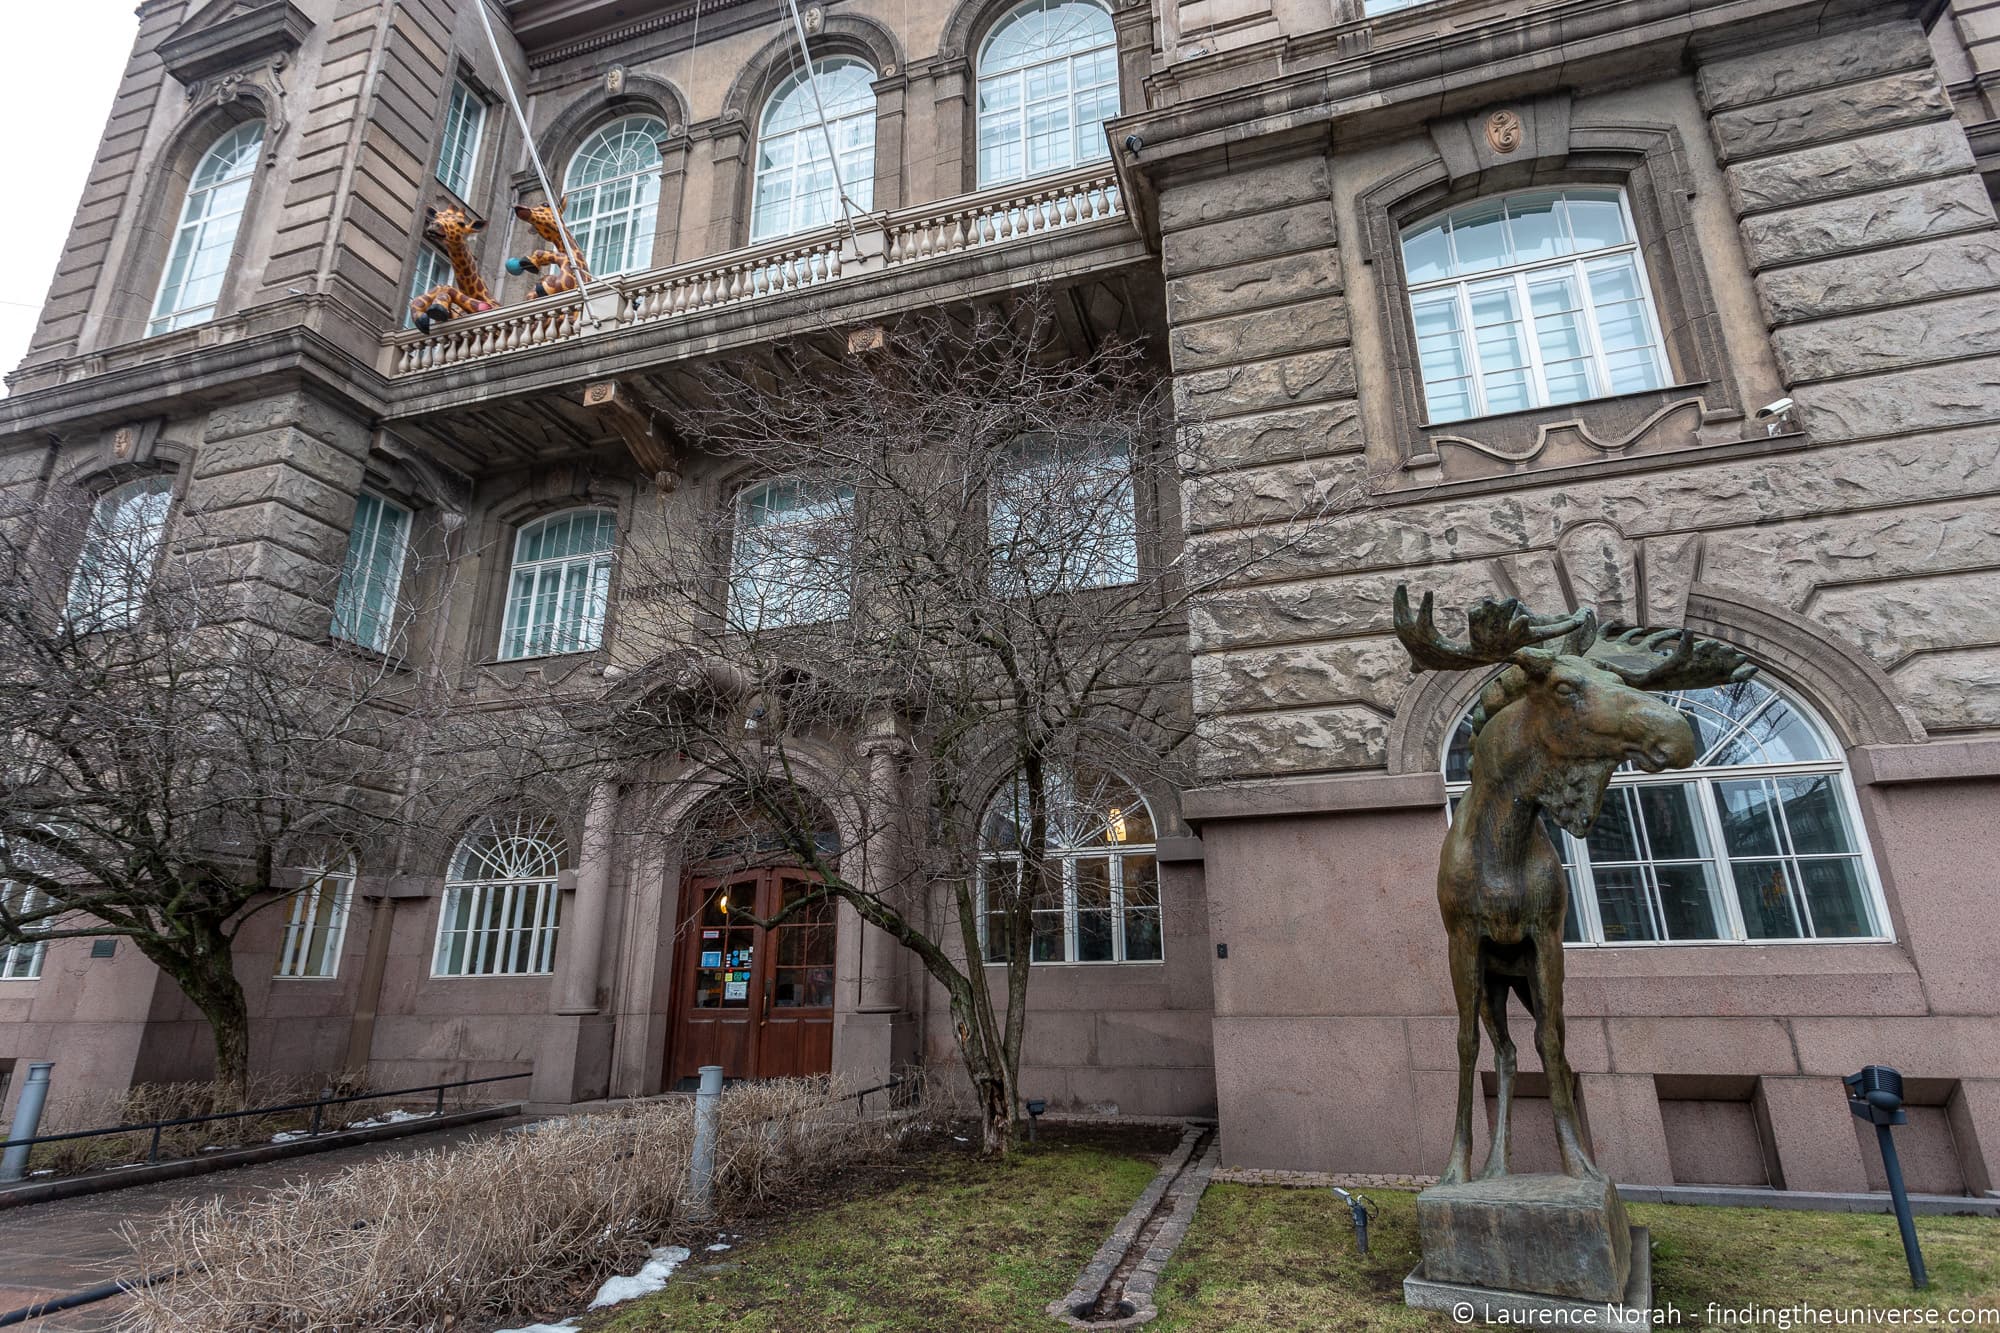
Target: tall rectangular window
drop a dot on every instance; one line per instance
(316, 926)
(433, 271)
(364, 608)
(22, 961)
(1060, 515)
(464, 119)
(496, 930)
(793, 559)
(120, 552)
(560, 586)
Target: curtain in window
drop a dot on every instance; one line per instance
(560, 585)
(205, 237)
(119, 554)
(613, 188)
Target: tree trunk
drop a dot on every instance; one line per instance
(205, 970)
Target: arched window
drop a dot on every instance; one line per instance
(1103, 903)
(560, 584)
(316, 926)
(1531, 300)
(206, 234)
(120, 552)
(499, 914)
(1760, 840)
(613, 189)
(795, 188)
(792, 560)
(1048, 80)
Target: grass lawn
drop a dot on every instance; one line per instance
(949, 1244)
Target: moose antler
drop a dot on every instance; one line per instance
(1497, 631)
(1639, 656)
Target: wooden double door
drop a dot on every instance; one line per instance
(757, 1002)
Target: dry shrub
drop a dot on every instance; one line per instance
(517, 1224)
(101, 1108)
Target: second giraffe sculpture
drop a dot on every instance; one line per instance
(566, 259)
(450, 229)
(1572, 704)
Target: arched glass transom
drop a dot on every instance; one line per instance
(205, 236)
(501, 900)
(1100, 901)
(613, 189)
(795, 188)
(1048, 80)
(560, 584)
(1531, 300)
(1759, 841)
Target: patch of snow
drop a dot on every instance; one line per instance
(719, 1245)
(45, 1171)
(961, 1138)
(392, 1118)
(646, 1281)
(289, 1136)
(566, 1326)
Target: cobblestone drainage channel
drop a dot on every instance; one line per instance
(1116, 1289)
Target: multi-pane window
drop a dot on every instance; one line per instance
(501, 901)
(1098, 896)
(433, 270)
(198, 260)
(1373, 7)
(792, 561)
(1060, 515)
(613, 189)
(1759, 841)
(22, 961)
(316, 924)
(1531, 300)
(795, 188)
(1048, 80)
(458, 154)
(560, 584)
(364, 607)
(120, 552)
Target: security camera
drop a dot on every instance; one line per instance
(1777, 409)
(1133, 143)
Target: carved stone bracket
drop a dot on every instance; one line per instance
(656, 445)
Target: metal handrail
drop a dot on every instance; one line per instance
(316, 1106)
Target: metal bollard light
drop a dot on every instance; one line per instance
(1876, 1095)
(27, 1119)
(707, 1128)
(1360, 1207)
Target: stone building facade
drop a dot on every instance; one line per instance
(1686, 312)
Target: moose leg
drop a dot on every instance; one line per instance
(1466, 975)
(1493, 1010)
(1547, 988)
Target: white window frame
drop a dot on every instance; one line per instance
(522, 634)
(1068, 859)
(310, 948)
(584, 215)
(755, 548)
(807, 145)
(1377, 8)
(23, 962)
(433, 270)
(210, 217)
(1585, 911)
(1018, 113)
(119, 557)
(376, 521)
(512, 913)
(1113, 554)
(1579, 267)
(458, 147)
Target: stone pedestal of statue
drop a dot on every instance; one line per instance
(1518, 1244)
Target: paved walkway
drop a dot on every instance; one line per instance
(51, 1249)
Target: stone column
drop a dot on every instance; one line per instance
(675, 150)
(582, 951)
(729, 162)
(890, 91)
(953, 166)
(881, 870)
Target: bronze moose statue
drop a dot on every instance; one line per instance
(1571, 705)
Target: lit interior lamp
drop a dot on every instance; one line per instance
(1117, 824)
(724, 904)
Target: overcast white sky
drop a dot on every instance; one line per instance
(66, 57)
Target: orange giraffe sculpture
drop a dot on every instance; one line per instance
(467, 293)
(566, 259)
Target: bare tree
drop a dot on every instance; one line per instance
(928, 563)
(178, 731)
